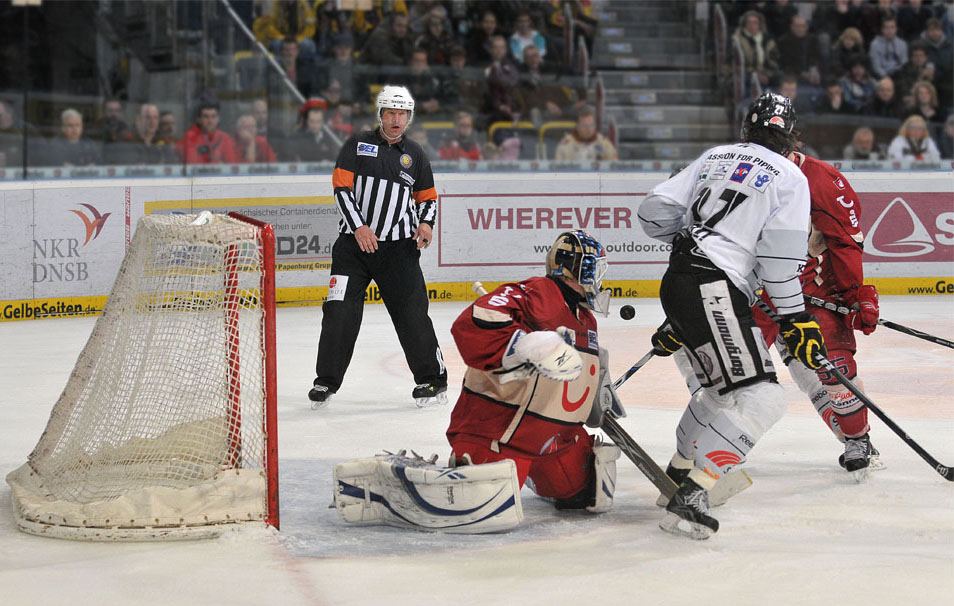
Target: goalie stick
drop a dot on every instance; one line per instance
(945, 471)
(892, 325)
(730, 485)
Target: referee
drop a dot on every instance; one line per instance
(385, 193)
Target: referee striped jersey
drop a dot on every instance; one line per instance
(389, 188)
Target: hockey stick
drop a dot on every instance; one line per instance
(632, 369)
(892, 325)
(946, 472)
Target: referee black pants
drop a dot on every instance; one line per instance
(395, 268)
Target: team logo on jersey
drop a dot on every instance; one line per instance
(704, 172)
(839, 183)
(741, 172)
(761, 181)
(406, 161)
(591, 341)
(368, 149)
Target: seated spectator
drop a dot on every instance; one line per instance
(857, 86)
(300, 71)
(778, 17)
(310, 142)
(946, 140)
(912, 19)
(849, 47)
(834, 100)
(885, 103)
(940, 53)
(251, 147)
(341, 69)
(541, 96)
(419, 134)
(462, 87)
(338, 115)
(888, 52)
(204, 143)
(913, 142)
(831, 19)
(800, 54)
(146, 146)
(286, 19)
(168, 133)
(758, 48)
(524, 35)
(918, 68)
(13, 135)
(924, 104)
(112, 127)
(500, 84)
(479, 39)
(436, 39)
(862, 146)
(389, 43)
(422, 83)
(464, 143)
(71, 149)
(788, 87)
(584, 143)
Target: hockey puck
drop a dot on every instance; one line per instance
(627, 312)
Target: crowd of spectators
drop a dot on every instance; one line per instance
(469, 63)
(872, 62)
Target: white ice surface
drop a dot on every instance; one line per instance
(803, 534)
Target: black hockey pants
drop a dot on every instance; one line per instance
(395, 268)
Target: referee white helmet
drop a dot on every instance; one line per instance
(395, 97)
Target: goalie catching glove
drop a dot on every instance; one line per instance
(803, 338)
(547, 352)
(863, 302)
(664, 341)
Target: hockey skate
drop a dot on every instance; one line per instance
(727, 487)
(874, 459)
(688, 513)
(320, 396)
(430, 394)
(857, 457)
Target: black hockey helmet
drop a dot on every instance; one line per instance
(769, 122)
(770, 110)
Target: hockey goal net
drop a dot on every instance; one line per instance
(166, 427)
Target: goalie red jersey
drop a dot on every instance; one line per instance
(527, 414)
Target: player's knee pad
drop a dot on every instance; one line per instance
(604, 468)
(410, 493)
(844, 361)
(760, 406)
(703, 406)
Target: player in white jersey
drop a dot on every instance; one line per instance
(738, 220)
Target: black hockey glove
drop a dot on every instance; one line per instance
(803, 338)
(664, 341)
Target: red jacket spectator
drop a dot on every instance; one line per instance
(204, 143)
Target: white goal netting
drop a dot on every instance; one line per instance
(160, 430)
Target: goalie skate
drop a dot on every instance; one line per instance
(727, 487)
(414, 493)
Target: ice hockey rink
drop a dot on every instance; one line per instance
(804, 533)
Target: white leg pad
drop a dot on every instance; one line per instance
(604, 463)
(409, 493)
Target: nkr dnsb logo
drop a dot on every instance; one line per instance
(57, 259)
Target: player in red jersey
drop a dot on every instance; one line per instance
(533, 372)
(834, 272)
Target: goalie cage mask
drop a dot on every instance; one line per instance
(577, 256)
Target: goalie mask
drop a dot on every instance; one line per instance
(395, 97)
(577, 256)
